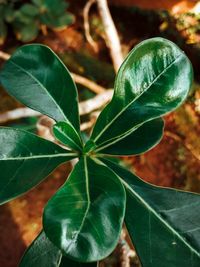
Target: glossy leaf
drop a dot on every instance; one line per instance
(84, 218)
(153, 80)
(67, 135)
(42, 253)
(164, 224)
(141, 140)
(25, 160)
(35, 76)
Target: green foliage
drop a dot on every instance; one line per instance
(53, 257)
(162, 223)
(27, 19)
(83, 220)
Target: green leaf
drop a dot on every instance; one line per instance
(35, 76)
(164, 224)
(57, 22)
(22, 19)
(42, 253)
(25, 160)
(141, 140)
(26, 32)
(84, 218)
(153, 80)
(54, 7)
(29, 10)
(66, 134)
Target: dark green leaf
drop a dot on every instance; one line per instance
(66, 134)
(54, 7)
(139, 141)
(66, 262)
(84, 218)
(38, 79)
(42, 253)
(153, 80)
(164, 224)
(25, 160)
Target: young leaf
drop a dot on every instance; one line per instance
(153, 80)
(66, 134)
(141, 140)
(35, 76)
(25, 160)
(84, 218)
(163, 223)
(42, 253)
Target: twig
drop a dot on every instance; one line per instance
(97, 89)
(95, 103)
(89, 124)
(77, 78)
(4, 55)
(18, 113)
(85, 107)
(88, 36)
(113, 42)
(126, 253)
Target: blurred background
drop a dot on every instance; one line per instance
(93, 44)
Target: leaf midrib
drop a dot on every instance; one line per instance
(88, 203)
(39, 83)
(126, 107)
(115, 140)
(40, 156)
(159, 217)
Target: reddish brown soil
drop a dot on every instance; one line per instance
(20, 220)
(161, 4)
(169, 164)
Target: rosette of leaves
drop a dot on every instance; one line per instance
(29, 18)
(83, 220)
